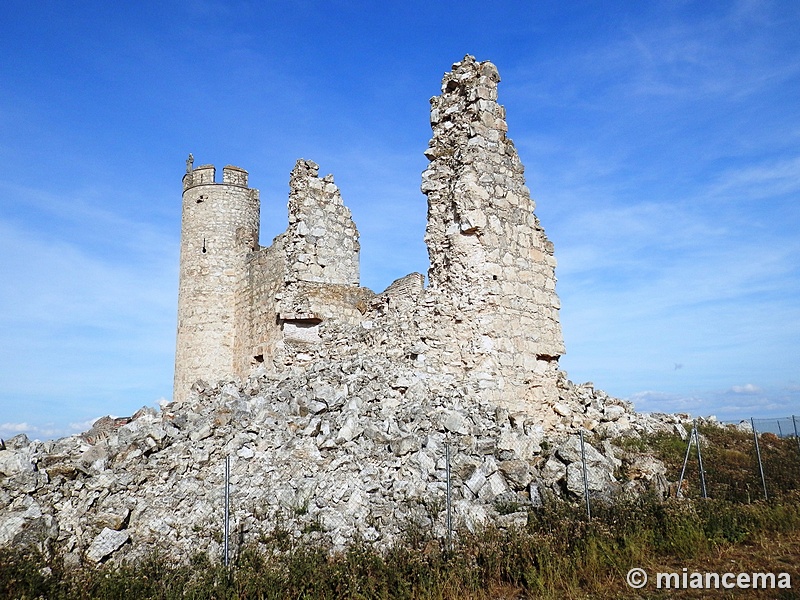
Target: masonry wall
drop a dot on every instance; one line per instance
(258, 334)
(322, 261)
(322, 239)
(308, 275)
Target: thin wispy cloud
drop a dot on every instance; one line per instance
(759, 182)
(748, 388)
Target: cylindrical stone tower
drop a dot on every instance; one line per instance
(219, 229)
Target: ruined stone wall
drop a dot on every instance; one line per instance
(490, 313)
(309, 274)
(343, 423)
(329, 301)
(219, 230)
(240, 303)
(322, 257)
(259, 337)
(492, 268)
(322, 240)
(401, 293)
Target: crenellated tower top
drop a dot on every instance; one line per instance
(206, 175)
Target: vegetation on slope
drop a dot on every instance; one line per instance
(559, 554)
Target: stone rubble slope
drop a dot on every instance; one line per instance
(339, 450)
(340, 430)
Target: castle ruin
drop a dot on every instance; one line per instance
(337, 408)
(488, 316)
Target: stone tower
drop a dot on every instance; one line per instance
(219, 230)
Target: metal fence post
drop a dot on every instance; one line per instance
(758, 456)
(686, 460)
(585, 479)
(796, 437)
(226, 534)
(449, 510)
(700, 463)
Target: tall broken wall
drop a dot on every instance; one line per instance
(492, 269)
(322, 253)
(322, 239)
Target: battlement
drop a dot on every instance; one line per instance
(206, 175)
(234, 176)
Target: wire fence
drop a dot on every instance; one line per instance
(747, 461)
(783, 427)
(457, 496)
(761, 461)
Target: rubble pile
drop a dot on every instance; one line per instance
(352, 448)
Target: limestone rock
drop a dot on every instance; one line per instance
(456, 422)
(517, 473)
(13, 462)
(106, 543)
(599, 479)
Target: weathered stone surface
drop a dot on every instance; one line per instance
(13, 462)
(17, 442)
(518, 445)
(456, 422)
(554, 470)
(517, 473)
(570, 452)
(113, 519)
(106, 543)
(598, 478)
(490, 262)
(646, 467)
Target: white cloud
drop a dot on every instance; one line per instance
(748, 388)
(44, 432)
(82, 426)
(17, 427)
(664, 402)
(732, 404)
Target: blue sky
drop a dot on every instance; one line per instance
(661, 142)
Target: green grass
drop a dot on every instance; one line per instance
(729, 462)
